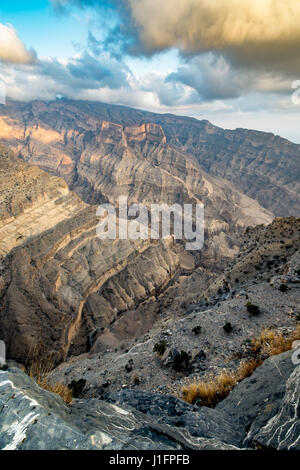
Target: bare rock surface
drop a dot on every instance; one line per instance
(58, 281)
(103, 154)
(75, 138)
(34, 419)
(269, 259)
(263, 410)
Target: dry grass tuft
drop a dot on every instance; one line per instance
(271, 343)
(211, 391)
(39, 370)
(60, 389)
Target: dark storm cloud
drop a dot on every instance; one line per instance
(213, 78)
(86, 72)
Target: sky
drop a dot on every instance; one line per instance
(235, 63)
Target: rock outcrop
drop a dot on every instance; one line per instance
(31, 202)
(61, 136)
(261, 412)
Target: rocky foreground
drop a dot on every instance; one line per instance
(262, 412)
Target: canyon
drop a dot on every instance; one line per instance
(54, 267)
(113, 315)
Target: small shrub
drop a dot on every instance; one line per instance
(77, 387)
(253, 309)
(160, 348)
(60, 389)
(228, 328)
(283, 288)
(181, 361)
(136, 379)
(129, 366)
(271, 343)
(197, 330)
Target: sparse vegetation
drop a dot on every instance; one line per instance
(197, 330)
(160, 348)
(77, 387)
(253, 309)
(39, 372)
(215, 389)
(136, 379)
(210, 392)
(271, 343)
(228, 328)
(181, 361)
(283, 288)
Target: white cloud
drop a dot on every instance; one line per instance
(12, 49)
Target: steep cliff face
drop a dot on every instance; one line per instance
(58, 281)
(31, 202)
(54, 135)
(102, 159)
(194, 319)
(109, 303)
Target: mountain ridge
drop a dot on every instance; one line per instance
(259, 164)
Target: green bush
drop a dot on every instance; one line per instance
(160, 348)
(197, 330)
(283, 287)
(228, 328)
(181, 361)
(253, 309)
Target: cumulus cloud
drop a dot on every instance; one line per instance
(78, 77)
(256, 33)
(259, 33)
(12, 50)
